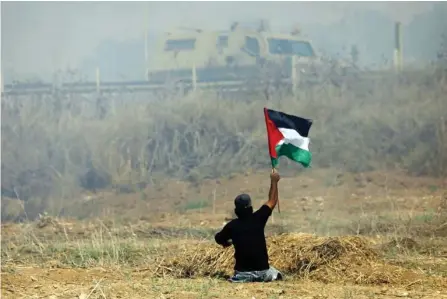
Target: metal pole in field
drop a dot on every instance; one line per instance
(97, 80)
(1, 81)
(194, 77)
(398, 47)
(146, 42)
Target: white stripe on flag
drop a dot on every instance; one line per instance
(293, 137)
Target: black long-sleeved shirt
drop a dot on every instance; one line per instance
(248, 238)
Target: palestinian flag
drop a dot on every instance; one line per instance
(287, 136)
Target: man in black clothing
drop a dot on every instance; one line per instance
(246, 233)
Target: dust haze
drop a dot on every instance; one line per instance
(117, 192)
(39, 38)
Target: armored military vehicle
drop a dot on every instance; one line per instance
(185, 58)
(241, 53)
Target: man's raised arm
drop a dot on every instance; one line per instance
(273, 192)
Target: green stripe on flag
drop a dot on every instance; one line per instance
(294, 153)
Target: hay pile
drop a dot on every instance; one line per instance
(337, 259)
(401, 245)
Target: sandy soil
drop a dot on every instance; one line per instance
(30, 282)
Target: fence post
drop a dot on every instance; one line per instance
(1, 81)
(194, 77)
(398, 47)
(98, 79)
(146, 54)
(146, 41)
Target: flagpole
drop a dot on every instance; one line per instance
(268, 144)
(273, 171)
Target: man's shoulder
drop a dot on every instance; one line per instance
(264, 209)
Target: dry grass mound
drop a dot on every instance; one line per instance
(337, 259)
(401, 245)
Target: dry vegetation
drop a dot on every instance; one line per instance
(130, 191)
(329, 260)
(53, 147)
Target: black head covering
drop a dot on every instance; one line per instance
(242, 201)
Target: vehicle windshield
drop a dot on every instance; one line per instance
(222, 41)
(290, 47)
(180, 44)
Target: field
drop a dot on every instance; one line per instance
(121, 197)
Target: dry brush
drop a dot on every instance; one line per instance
(57, 146)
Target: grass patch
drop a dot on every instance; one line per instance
(195, 205)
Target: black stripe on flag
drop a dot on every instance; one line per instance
(287, 121)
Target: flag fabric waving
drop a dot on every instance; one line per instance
(288, 136)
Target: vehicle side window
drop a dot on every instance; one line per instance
(180, 44)
(252, 44)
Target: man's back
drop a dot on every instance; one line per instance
(247, 235)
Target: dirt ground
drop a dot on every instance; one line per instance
(30, 282)
(108, 256)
